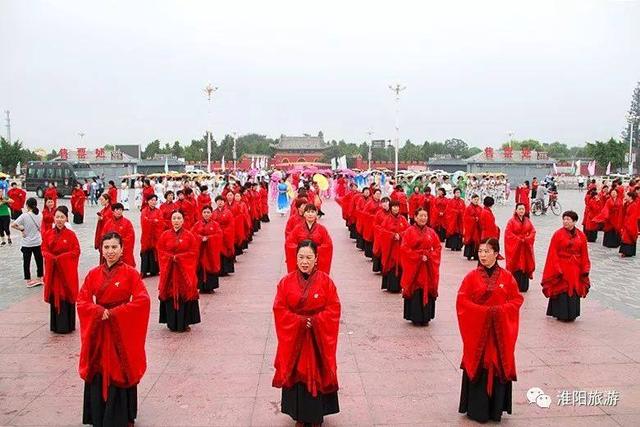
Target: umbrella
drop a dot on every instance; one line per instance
(4, 175)
(322, 181)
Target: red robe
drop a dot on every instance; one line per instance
(19, 196)
(416, 200)
(188, 208)
(488, 309)
(379, 219)
(453, 220)
(124, 228)
(629, 227)
(224, 218)
(567, 266)
(611, 215)
(418, 274)
(177, 257)
(428, 205)
(522, 196)
(204, 199)
(52, 193)
(152, 225)
(264, 201)
(401, 197)
(105, 216)
(358, 210)
(113, 348)
(592, 206)
(146, 192)
(61, 252)
(209, 250)
(488, 227)
(389, 247)
(438, 211)
(519, 237)
(307, 355)
(345, 203)
(77, 201)
(47, 220)
(166, 210)
(292, 223)
(368, 217)
(471, 220)
(319, 235)
(113, 195)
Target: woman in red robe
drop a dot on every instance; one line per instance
(167, 208)
(52, 193)
(121, 225)
(471, 222)
(113, 308)
(592, 206)
(295, 220)
(488, 308)
(611, 218)
(204, 198)
(178, 284)
(310, 230)
(519, 237)
(358, 210)
(48, 212)
(522, 196)
(264, 201)
(420, 253)
(453, 223)
(222, 215)
(104, 216)
(368, 218)
(379, 219)
(209, 234)
(152, 225)
(147, 190)
(437, 214)
(78, 199)
(416, 199)
(390, 235)
(399, 195)
(187, 206)
(61, 252)
(566, 272)
(306, 312)
(629, 228)
(488, 227)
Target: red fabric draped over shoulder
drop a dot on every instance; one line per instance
(416, 273)
(61, 252)
(519, 237)
(319, 235)
(567, 266)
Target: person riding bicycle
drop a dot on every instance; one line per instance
(541, 195)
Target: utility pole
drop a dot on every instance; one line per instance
(510, 133)
(7, 112)
(370, 147)
(235, 162)
(632, 119)
(209, 90)
(397, 89)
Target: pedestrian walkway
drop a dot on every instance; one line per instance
(390, 372)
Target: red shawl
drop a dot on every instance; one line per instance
(19, 196)
(611, 214)
(146, 192)
(438, 210)
(225, 219)
(368, 218)
(522, 196)
(104, 216)
(177, 256)
(471, 220)
(488, 310)
(428, 205)
(77, 201)
(592, 206)
(124, 228)
(152, 225)
(567, 266)
(519, 237)
(488, 227)
(52, 193)
(61, 252)
(292, 222)
(389, 246)
(416, 273)
(379, 219)
(401, 197)
(358, 211)
(307, 355)
(113, 348)
(47, 220)
(188, 208)
(319, 235)
(113, 195)
(629, 228)
(209, 249)
(416, 200)
(453, 220)
(167, 210)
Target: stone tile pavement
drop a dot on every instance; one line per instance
(391, 373)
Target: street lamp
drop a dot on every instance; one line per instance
(632, 119)
(510, 133)
(370, 147)
(235, 163)
(397, 89)
(209, 91)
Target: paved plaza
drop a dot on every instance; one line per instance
(390, 372)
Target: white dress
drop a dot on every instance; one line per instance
(123, 195)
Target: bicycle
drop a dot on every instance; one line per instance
(538, 209)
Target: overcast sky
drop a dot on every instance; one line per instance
(133, 71)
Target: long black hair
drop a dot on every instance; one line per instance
(32, 204)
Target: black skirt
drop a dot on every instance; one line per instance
(300, 405)
(377, 264)
(207, 282)
(628, 250)
(391, 281)
(478, 405)
(188, 313)
(120, 408)
(65, 321)
(522, 279)
(352, 232)
(471, 251)
(239, 250)
(149, 264)
(611, 239)
(592, 236)
(227, 265)
(454, 242)
(564, 307)
(416, 311)
(256, 225)
(360, 242)
(368, 249)
(265, 218)
(442, 233)
(77, 218)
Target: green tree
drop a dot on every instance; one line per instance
(604, 152)
(557, 150)
(109, 147)
(151, 150)
(11, 154)
(177, 150)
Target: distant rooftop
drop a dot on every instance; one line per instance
(305, 142)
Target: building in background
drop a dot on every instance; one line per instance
(519, 165)
(299, 149)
